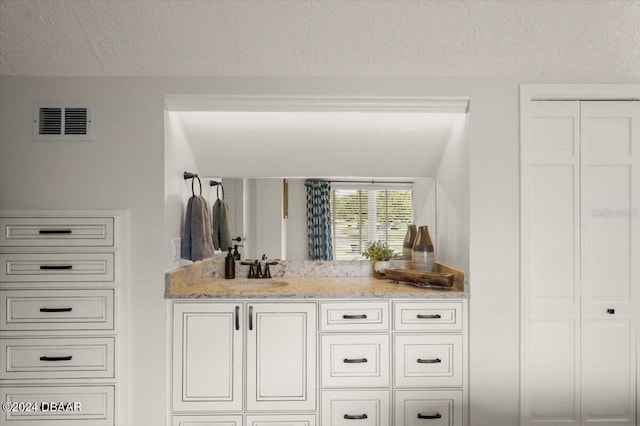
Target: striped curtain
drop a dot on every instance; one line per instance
(319, 245)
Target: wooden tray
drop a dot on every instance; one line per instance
(421, 278)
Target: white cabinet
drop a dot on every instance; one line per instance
(281, 356)
(428, 407)
(61, 311)
(207, 356)
(210, 358)
(355, 407)
(580, 251)
(409, 371)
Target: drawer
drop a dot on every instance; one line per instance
(429, 316)
(84, 405)
(355, 360)
(206, 421)
(428, 408)
(60, 267)
(57, 358)
(348, 316)
(56, 232)
(428, 360)
(355, 407)
(281, 420)
(31, 310)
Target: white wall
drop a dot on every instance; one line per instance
(452, 199)
(123, 169)
(178, 158)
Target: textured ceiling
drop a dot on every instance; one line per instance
(319, 38)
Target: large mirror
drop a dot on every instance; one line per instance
(251, 146)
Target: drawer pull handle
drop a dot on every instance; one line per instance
(56, 358)
(55, 267)
(361, 316)
(356, 416)
(54, 231)
(429, 361)
(354, 361)
(429, 416)
(436, 316)
(56, 309)
(250, 317)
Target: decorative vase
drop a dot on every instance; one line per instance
(409, 239)
(380, 266)
(422, 255)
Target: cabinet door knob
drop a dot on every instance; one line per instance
(237, 317)
(611, 311)
(355, 416)
(429, 416)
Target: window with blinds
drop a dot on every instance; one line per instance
(360, 216)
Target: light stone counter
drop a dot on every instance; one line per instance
(194, 282)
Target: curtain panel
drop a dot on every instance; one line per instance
(319, 246)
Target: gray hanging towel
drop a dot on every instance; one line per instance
(221, 231)
(196, 236)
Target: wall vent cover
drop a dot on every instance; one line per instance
(63, 121)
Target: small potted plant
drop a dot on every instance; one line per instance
(380, 253)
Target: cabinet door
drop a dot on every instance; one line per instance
(282, 420)
(207, 356)
(355, 407)
(281, 356)
(550, 263)
(207, 421)
(610, 197)
(429, 408)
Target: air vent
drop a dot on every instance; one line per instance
(62, 121)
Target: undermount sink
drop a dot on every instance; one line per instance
(254, 284)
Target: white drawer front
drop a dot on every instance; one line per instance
(428, 408)
(83, 405)
(56, 310)
(65, 267)
(428, 360)
(206, 421)
(57, 358)
(430, 316)
(282, 420)
(56, 232)
(347, 316)
(355, 407)
(355, 360)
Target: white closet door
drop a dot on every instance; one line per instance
(550, 262)
(609, 245)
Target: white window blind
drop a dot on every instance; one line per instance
(360, 216)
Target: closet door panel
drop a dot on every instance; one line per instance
(609, 266)
(608, 379)
(606, 230)
(553, 375)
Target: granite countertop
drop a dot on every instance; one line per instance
(186, 285)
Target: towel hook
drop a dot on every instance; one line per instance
(193, 176)
(218, 185)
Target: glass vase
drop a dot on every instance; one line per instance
(423, 255)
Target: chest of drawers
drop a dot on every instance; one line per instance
(62, 299)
